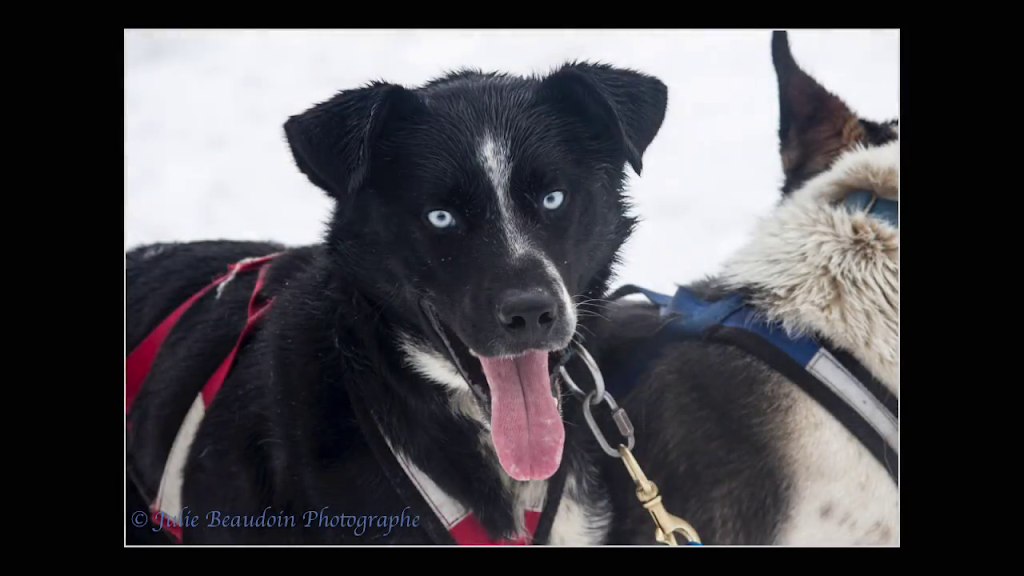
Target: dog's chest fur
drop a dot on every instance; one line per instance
(583, 517)
(839, 493)
(584, 512)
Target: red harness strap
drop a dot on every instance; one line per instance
(256, 311)
(463, 526)
(138, 363)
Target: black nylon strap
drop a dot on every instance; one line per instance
(872, 384)
(556, 486)
(822, 394)
(410, 495)
(396, 475)
(769, 354)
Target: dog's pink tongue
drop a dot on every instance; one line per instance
(526, 427)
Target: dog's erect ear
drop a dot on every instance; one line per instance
(332, 142)
(626, 105)
(815, 126)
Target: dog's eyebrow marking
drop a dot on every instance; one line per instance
(493, 155)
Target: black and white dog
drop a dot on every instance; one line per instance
(475, 217)
(751, 447)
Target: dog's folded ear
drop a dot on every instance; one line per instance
(815, 126)
(621, 104)
(332, 142)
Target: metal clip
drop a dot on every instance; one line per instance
(666, 525)
(618, 415)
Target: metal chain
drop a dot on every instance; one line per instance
(666, 525)
(595, 397)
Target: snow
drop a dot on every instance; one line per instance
(205, 156)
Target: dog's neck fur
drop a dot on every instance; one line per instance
(583, 513)
(818, 269)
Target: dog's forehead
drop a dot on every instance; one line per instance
(470, 117)
(482, 136)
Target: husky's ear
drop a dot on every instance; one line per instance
(815, 126)
(333, 141)
(624, 105)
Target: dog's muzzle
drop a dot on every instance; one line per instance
(430, 315)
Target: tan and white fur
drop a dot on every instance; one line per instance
(820, 269)
(787, 473)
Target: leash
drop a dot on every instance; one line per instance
(666, 525)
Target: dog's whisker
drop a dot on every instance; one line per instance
(582, 339)
(592, 314)
(592, 304)
(597, 300)
(595, 303)
(588, 330)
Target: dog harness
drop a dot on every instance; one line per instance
(451, 523)
(832, 377)
(167, 503)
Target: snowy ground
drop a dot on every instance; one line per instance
(204, 154)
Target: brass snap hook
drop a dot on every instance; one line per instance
(666, 525)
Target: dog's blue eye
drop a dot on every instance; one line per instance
(553, 200)
(441, 219)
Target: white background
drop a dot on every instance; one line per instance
(205, 156)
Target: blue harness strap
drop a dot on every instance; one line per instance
(830, 376)
(833, 377)
(881, 208)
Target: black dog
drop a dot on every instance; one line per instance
(474, 219)
(745, 443)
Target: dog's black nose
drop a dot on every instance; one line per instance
(528, 315)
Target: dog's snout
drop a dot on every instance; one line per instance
(528, 315)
